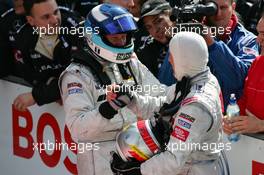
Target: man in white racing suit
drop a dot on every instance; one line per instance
(108, 59)
(194, 143)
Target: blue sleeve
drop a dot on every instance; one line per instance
(165, 74)
(230, 69)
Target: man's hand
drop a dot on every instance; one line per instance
(117, 98)
(208, 37)
(243, 124)
(120, 167)
(23, 101)
(122, 97)
(227, 126)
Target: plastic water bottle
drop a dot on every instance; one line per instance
(233, 111)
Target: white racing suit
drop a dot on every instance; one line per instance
(82, 95)
(198, 122)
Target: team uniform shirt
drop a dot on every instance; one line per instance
(152, 55)
(253, 95)
(10, 24)
(85, 6)
(43, 58)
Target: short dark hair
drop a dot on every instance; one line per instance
(231, 1)
(28, 5)
(154, 7)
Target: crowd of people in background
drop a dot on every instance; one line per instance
(151, 41)
(235, 57)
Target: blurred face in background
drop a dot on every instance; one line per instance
(128, 4)
(45, 15)
(135, 10)
(225, 10)
(18, 6)
(260, 38)
(156, 25)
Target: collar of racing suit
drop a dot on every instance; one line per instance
(182, 89)
(107, 72)
(203, 76)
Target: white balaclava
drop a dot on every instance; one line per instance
(189, 54)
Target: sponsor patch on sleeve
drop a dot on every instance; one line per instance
(74, 88)
(184, 123)
(180, 133)
(75, 91)
(187, 117)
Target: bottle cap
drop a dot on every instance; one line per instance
(232, 99)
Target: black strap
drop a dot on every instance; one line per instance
(83, 57)
(184, 86)
(131, 71)
(123, 71)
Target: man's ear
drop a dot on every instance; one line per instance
(30, 20)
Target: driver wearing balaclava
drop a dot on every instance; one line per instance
(188, 55)
(196, 124)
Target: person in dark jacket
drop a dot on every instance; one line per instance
(45, 46)
(11, 21)
(155, 17)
